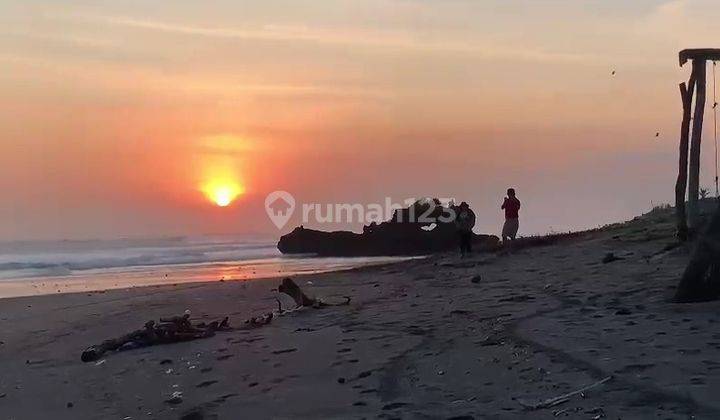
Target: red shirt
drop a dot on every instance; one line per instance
(511, 206)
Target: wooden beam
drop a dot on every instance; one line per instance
(699, 67)
(709, 54)
(681, 185)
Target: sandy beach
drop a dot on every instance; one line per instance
(490, 336)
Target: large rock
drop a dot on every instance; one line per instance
(398, 236)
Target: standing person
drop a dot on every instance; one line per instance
(465, 221)
(511, 205)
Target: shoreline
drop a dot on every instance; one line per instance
(491, 336)
(106, 281)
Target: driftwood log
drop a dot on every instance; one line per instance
(168, 330)
(701, 279)
(290, 288)
(180, 328)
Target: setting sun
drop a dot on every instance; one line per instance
(223, 193)
(220, 162)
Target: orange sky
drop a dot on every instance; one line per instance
(114, 115)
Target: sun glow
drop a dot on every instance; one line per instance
(220, 162)
(223, 193)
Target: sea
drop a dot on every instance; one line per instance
(70, 266)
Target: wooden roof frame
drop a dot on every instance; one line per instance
(711, 54)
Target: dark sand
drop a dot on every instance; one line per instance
(419, 340)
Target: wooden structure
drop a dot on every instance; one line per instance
(688, 180)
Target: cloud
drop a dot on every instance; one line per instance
(66, 38)
(682, 23)
(355, 38)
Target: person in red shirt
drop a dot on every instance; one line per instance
(511, 205)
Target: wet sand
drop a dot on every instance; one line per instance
(483, 337)
(141, 276)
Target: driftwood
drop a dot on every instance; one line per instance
(561, 399)
(180, 328)
(168, 330)
(290, 288)
(258, 321)
(701, 279)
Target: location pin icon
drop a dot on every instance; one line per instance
(279, 206)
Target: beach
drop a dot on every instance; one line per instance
(496, 335)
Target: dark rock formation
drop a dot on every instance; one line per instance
(701, 280)
(404, 234)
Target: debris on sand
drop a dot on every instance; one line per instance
(168, 330)
(258, 321)
(175, 398)
(611, 257)
(562, 399)
(623, 311)
(180, 328)
(290, 288)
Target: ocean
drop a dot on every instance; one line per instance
(45, 267)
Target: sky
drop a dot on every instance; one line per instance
(117, 116)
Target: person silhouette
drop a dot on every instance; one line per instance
(465, 221)
(511, 205)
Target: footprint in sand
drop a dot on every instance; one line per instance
(394, 406)
(204, 384)
(196, 414)
(636, 368)
(290, 350)
(221, 399)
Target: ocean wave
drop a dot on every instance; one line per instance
(60, 260)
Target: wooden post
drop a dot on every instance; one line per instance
(681, 184)
(699, 71)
